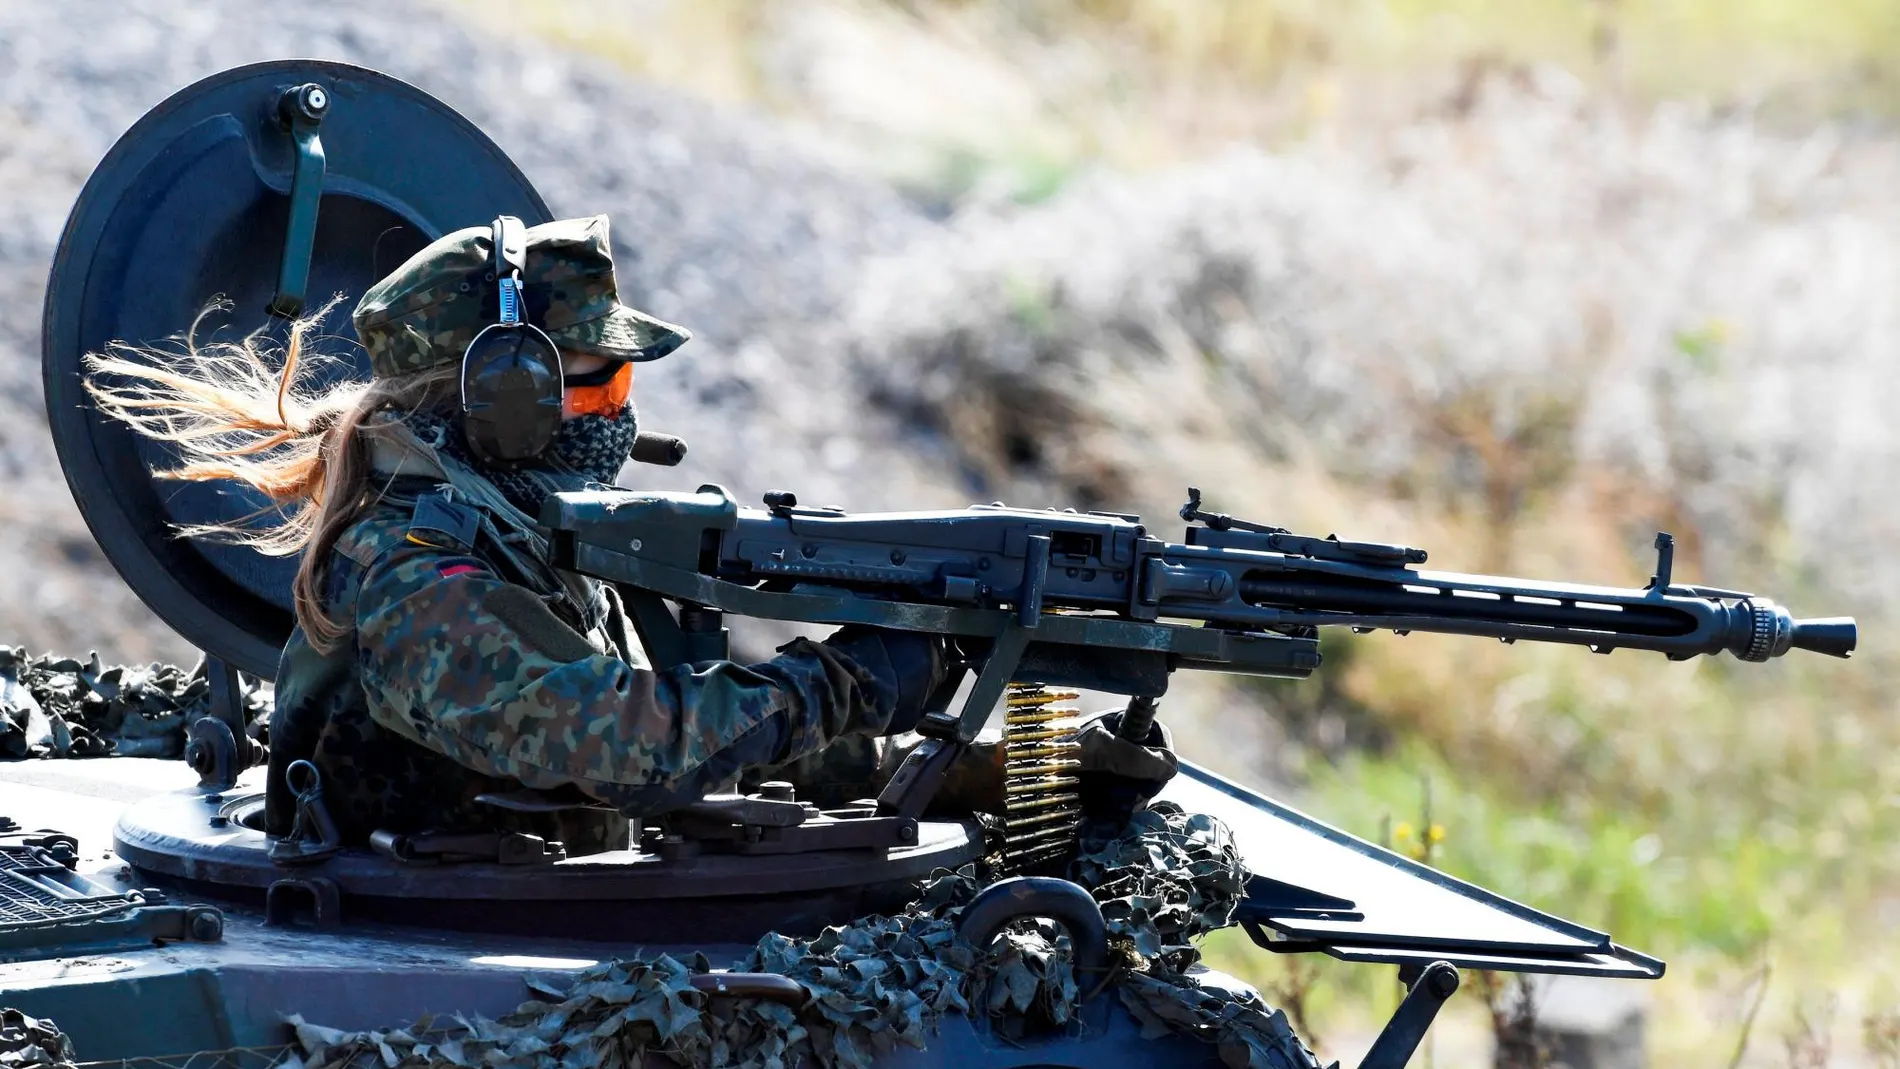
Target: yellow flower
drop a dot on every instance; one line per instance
(1437, 833)
(1403, 833)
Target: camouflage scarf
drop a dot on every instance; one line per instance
(587, 452)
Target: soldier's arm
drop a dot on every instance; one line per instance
(482, 671)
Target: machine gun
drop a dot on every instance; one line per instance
(1093, 600)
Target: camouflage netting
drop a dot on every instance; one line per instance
(30, 1041)
(883, 982)
(63, 707)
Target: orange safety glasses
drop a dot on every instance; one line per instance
(597, 393)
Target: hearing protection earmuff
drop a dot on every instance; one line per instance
(511, 372)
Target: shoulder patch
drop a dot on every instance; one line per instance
(536, 624)
(444, 524)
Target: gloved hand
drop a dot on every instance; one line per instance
(1118, 775)
(908, 665)
(974, 783)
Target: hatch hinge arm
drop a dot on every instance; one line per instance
(1403, 1033)
(302, 109)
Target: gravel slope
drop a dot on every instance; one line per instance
(1687, 314)
(721, 225)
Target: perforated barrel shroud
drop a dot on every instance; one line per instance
(47, 909)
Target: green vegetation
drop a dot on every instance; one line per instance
(1719, 815)
(1715, 815)
(1835, 53)
(1012, 96)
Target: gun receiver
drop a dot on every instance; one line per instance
(1092, 600)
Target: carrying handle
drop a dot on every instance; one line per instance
(1062, 901)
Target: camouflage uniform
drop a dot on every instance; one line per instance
(476, 666)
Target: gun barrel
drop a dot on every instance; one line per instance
(1677, 623)
(1632, 616)
(1835, 636)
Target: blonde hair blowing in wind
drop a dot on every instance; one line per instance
(246, 411)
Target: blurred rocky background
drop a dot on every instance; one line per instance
(1519, 281)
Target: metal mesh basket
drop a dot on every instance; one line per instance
(37, 889)
(46, 908)
(233, 1058)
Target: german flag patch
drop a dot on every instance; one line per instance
(449, 569)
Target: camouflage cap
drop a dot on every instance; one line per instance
(426, 312)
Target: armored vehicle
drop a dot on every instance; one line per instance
(145, 909)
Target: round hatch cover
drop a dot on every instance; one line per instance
(197, 202)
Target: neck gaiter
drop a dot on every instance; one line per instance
(587, 452)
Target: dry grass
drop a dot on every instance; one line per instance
(1010, 97)
(1523, 319)
(1524, 328)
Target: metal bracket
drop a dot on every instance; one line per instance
(302, 110)
(283, 898)
(211, 751)
(917, 779)
(1268, 897)
(47, 909)
(500, 848)
(1006, 654)
(1401, 1035)
(924, 768)
(1035, 579)
(218, 746)
(774, 822)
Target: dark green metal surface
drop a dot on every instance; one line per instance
(196, 202)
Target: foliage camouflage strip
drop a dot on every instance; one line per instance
(29, 1041)
(63, 707)
(883, 982)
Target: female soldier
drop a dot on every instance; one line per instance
(438, 655)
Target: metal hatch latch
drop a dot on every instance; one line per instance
(313, 835)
